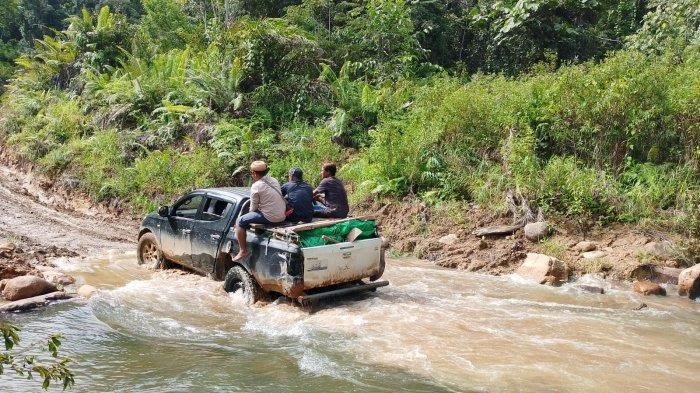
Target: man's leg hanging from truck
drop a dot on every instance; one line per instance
(242, 227)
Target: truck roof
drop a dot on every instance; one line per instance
(237, 192)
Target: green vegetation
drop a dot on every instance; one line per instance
(26, 365)
(587, 109)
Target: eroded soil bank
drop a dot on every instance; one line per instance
(445, 236)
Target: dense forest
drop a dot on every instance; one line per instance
(586, 108)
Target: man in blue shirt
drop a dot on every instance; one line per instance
(299, 196)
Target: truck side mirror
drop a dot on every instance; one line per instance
(164, 211)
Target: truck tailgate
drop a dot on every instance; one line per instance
(341, 262)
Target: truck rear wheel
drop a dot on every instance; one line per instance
(238, 278)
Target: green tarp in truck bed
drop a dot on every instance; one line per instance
(337, 232)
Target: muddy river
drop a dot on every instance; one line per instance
(432, 330)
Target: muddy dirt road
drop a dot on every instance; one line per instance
(27, 214)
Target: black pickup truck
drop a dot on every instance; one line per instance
(196, 232)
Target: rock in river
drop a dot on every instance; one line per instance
(542, 269)
(648, 288)
(689, 282)
(86, 291)
(537, 231)
(26, 286)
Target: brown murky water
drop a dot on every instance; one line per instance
(431, 330)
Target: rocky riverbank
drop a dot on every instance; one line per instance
(41, 222)
(473, 238)
(30, 279)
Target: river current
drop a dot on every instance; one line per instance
(431, 330)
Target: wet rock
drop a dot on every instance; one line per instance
(585, 246)
(86, 291)
(537, 231)
(648, 288)
(689, 282)
(34, 302)
(26, 286)
(594, 254)
(543, 269)
(56, 277)
(639, 306)
(590, 288)
(657, 274)
(661, 250)
(449, 239)
(592, 282)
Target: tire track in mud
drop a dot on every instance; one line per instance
(23, 216)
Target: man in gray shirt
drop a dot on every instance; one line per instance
(267, 205)
(333, 192)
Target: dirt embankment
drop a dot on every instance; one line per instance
(40, 219)
(445, 236)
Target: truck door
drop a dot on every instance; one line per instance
(176, 237)
(208, 232)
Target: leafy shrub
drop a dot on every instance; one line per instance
(161, 175)
(56, 124)
(100, 165)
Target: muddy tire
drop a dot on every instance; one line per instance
(149, 253)
(238, 278)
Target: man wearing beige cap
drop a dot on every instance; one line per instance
(267, 206)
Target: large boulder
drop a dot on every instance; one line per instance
(536, 231)
(689, 282)
(543, 269)
(648, 288)
(26, 286)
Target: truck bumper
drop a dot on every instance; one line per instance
(353, 288)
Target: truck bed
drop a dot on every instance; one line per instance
(342, 260)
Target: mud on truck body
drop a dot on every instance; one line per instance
(197, 233)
